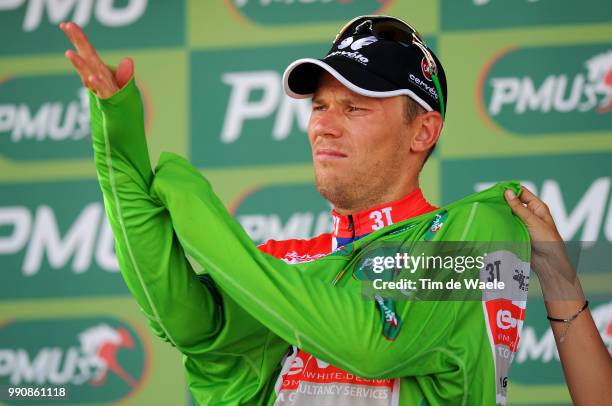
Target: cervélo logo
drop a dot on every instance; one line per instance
(55, 241)
(249, 120)
(32, 24)
(273, 12)
(282, 212)
(481, 14)
(98, 359)
(539, 90)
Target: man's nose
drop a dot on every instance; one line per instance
(328, 123)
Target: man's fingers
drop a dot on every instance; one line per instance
(78, 38)
(79, 64)
(84, 48)
(100, 87)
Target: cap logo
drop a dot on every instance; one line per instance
(356, 45)
(425, 69)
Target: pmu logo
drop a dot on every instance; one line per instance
(252, 122)
(283, 212)
(98, 360)
(49, 124)
(31, 25)
(55, 240)
(304, 11)
(45, 125)
(539, 90)
(79, 11)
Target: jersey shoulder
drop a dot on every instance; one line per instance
(485, 217)
(295, 250)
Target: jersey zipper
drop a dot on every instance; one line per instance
(351, 227)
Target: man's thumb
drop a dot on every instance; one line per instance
(124, 72)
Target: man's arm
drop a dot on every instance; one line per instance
(298, 302)
(229, 355)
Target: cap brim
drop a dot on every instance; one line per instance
(302, 76)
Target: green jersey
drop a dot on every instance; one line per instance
(233, 311)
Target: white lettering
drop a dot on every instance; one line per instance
(60, 10)
(588, 213)
(19, 217)
(505, 91)
(240, 108)
(78, 241)
(289, 110)
(535, 100)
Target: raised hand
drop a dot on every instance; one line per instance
(95, 75)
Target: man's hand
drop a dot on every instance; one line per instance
(94, 74)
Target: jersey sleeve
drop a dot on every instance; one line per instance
(228, 353)
(489, 345)
(298, 302)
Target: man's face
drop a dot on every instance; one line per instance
(360, 145)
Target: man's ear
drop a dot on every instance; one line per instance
(427, 131)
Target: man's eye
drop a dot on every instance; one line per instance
(318, 107)
(354, 108)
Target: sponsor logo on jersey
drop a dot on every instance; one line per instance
(283, 212)
(95, 359)
(479, 14)
(305, 380)
(55, 240)
(436, 225)
(505, 322)
(114, 24)
(540, 90)
(275, 12)
(391, 323)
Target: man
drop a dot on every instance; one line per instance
(378, 105)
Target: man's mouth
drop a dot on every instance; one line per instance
(327, 154)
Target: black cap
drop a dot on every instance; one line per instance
(371, 65)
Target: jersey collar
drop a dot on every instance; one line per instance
(354, 226)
